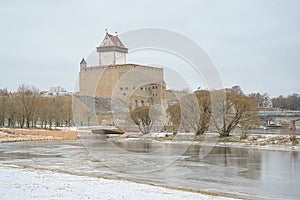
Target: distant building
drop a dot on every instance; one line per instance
(265, 103)
(55, 91)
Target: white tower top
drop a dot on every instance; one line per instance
(111, 51)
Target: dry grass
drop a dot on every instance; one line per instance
(16, 135)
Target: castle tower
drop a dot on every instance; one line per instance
(83, 64)
(111, 51)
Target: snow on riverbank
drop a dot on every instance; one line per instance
(34, 184)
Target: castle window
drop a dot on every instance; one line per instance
(142, 101)
(121, 88)
(126, 88)
(153, 87)
(141, 88)
(152, 94)
(156, 87)
(136, 103)
(133, 88)
(124, 93)
(156, 94)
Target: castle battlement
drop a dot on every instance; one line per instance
(123, 66)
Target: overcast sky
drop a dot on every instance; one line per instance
(254, 43)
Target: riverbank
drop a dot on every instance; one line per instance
(19, 135)
(261, 141)
(19, 183)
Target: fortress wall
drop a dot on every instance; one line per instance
(88, 79)
(121, 78)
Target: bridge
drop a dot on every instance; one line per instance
(276, 113)
(278, 117)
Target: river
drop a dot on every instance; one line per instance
(229, 171)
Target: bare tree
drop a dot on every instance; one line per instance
(190, 113)
(204, 102)
(237, 111)
(193, 113)
(144, 117)
(174, 113)
(3, 105)
(62, 110)
(28, 99)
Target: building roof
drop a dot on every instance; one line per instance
(116, 40)
(112, 43)
(83, 61)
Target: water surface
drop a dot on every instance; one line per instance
(234, 172)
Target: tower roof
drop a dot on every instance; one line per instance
(112, 43)
(83, 61)
(115, 40)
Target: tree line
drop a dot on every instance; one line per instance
(291, 102)
(193, 113)
(27, 108)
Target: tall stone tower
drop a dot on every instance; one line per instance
(111, 51)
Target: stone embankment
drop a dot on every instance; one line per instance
(18, 135)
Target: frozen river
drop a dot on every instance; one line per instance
(233, 172)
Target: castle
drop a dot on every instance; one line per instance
(114, 78)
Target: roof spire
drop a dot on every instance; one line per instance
(83, 61)
(106, 30)
(116, 33)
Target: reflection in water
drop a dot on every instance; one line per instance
(241, 161)
(294, 158)
(147, 146)
(242, 172)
